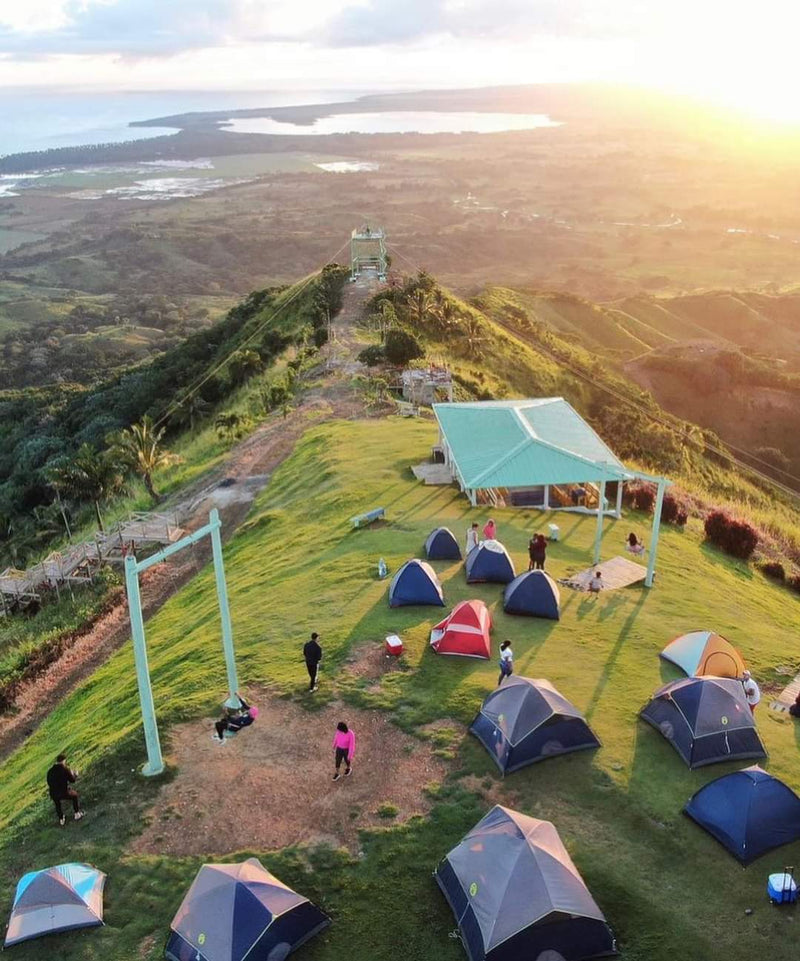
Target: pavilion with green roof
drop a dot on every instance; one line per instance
(537, 453)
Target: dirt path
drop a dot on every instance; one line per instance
(231, 488)
(282, 768)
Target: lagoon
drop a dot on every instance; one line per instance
(396, 121)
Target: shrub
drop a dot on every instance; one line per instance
(673, 512)
(402, 346)
(794, 582)
(643, 498)
(773, 569)
(372, 355)
(735, 537)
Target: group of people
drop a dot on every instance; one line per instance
(473, 536)
(537, 546)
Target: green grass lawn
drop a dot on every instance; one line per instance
(667, 888)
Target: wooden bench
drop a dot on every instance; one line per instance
(368, 518)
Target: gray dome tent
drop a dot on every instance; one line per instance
(237, 911)
(61, 898)
(526, 720)
(517, 895)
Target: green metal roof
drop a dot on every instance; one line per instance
(525, 443)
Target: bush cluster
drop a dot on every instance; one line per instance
(773, 569)
(735, 537)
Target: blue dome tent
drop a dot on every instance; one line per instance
(517, 895)
(442, 545)
(237, 911)
(61, 898)
(524, 721)
(489, 561)
(534, 594)
(749, 812)
(706, 719)
(415, 583)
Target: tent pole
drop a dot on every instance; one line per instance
(651, 563)
(618, 512)
(599, 533)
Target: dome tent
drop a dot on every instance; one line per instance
(442, 545)
(749, 812)
(533, 593)
(517, 895)
(489, 561)
(237, 911)
(61, 898)
(706, 719)
(415, 583)
(703, 653)
(465, 631)
(525, 720)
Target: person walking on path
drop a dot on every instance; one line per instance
(344, 747)
(59, 781)
(490, 530)
(751, 691)
(506, 662)
(312, 653)
(472, 538)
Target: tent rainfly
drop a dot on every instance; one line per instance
(703, 653)
(517, 895)
(465, 631)
(539, 446)
(61, 898)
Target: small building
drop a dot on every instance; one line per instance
(535, 453)
(427, 385)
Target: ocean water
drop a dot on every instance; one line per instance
(42, 119)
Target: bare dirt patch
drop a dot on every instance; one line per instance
(370, 660)
(270, 786)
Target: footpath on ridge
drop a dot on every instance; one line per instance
(230, 487)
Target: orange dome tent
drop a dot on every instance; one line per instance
(464, 631)
(703, 654)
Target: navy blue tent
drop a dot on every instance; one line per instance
(489, 561)
(237, 911)
(415, 583)
(706, 719)
(533, 593)
(442, 545)
(526, 720)
(749, 812)
(517, 896)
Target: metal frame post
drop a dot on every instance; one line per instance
(599, 532)
(618, 510)
(155, 762)
(224, 610)
(651, 563)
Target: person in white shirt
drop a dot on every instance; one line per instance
(506, 662)
(751, 691)
(596, 584)
(472, 537)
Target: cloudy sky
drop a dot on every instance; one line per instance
(738, 51)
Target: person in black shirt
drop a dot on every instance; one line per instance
(59, 779)
(235, 719)
(312, 653)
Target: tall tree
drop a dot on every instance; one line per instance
(139, 448)
(88, 476)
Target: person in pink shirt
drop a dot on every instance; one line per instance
(344, 747)
(490, 531)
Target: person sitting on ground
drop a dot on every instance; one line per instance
(344, 747)
(490, 530)
(634, 545)
(794, 710)
(596, 583)
(472, 538)
(59, 779)
(751, 691)
(235, 719)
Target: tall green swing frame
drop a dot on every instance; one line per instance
(133, 568)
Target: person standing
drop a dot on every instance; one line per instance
(506, 662)
(344, 748)
(472, 538)
(59, 781)
(751, 691)
(539, 553)
(490, 530)
(312, 654)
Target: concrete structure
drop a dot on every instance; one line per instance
(427, 385)
(368, 252)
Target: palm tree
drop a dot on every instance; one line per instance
(191, 410)
(139, 448)
(88, 476)
(473, 333)
(446, 315)
(420, 304)
(243, 364)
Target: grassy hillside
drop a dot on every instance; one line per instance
(667, 888)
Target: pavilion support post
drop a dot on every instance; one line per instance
(547, 497)
(618, 511)
(224, 611)
(155, 763)
(651, 563)
(599, 532)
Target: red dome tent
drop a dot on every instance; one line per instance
(464, 631)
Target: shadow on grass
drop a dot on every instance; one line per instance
(611, 660)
